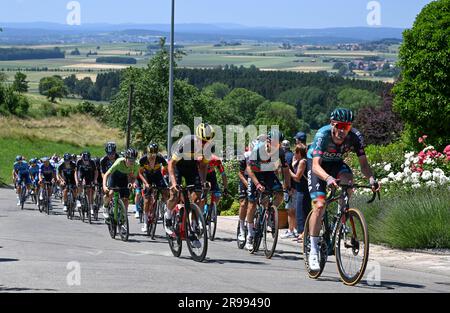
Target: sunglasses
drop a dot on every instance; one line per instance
(343, 126)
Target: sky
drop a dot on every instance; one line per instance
(269, 13)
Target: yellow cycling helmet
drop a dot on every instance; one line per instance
(205, 132)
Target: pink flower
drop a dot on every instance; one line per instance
(419, 170)
(421, 155)
(420, 140)
(447, 150)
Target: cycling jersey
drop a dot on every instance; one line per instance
(324, 147)
(190, 149)
(47, 172)
(106, 163)
(86, 171)
(262, 161)
(67, 172)
(120, 167)
(34, 172)
(144, 162)
(119, 176)
(21, 168)
(214, 163)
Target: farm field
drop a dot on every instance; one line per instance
(267, 56)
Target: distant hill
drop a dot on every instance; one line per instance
(40, 32)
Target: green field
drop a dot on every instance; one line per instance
(264, 56)
(10, 148)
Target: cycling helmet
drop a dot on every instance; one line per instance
(110, 147)
(45, 159)
(86, 156)
(342, 115)
(131, 154)
(152, 148)
(205, 132)
(33, 161)
(67, 157)
(286, 144)
(19, 158)
(275, 134)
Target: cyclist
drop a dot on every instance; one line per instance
(21, 172)
(243, 186)
(99, 181)
(263, 163)
(211, 178)
(150, 173)
(189, 162)
(123, 171)
(47, 174)
(66, 175)
(108, 160)
(325, 165)
(34, 175)
(87, 172)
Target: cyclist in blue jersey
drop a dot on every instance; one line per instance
(21, 172)
(325, 165)
(262, 165)
(34, 175)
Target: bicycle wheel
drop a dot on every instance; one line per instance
(241, 244)
(175, 240)
(270, 232)
(23, 197)
(258, 222)
(323, 248)
(124, 227)
(195, 229)
(153, 222)
(352, 247)
(89, 213)
(111, 221)
(212, 223)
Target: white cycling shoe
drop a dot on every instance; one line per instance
(313, 261)
(249, 244)
(144, 228)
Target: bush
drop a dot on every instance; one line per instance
(86, 107)
(418, 219)
(48, 109)
(232, 170)
(233, 210)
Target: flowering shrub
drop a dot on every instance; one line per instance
(428, 168)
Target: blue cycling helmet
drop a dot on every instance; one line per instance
(33, 161)
(19, 158)
(342, 115)
(67, 157)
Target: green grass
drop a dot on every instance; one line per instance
(417, 220)
(10, 148)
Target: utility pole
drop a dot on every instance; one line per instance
(170, 117)
(130, 104)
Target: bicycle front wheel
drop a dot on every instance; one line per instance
(196, 233)
(323, 248)
(212, 225)
(270, 232)
(174, 240)
(352, 247)
(124, 227)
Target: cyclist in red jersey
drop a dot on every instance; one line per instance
(216, 163)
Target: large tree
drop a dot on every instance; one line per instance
(52, 87)
(422, 96)
(20, 82)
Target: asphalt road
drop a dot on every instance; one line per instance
(42, 253)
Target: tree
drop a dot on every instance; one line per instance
(83, 87)
(243, 104)
(356, 99)
(75, 52)
(3, 77)
(12, 102)
(219, 90)
(422, 96)
(71, 82)
(380, 125)
(281, 114)
(20, 82)
(52, 87)
(150, 99)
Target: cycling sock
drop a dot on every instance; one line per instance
(242, 225)
(315, 245)
(251, 230)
